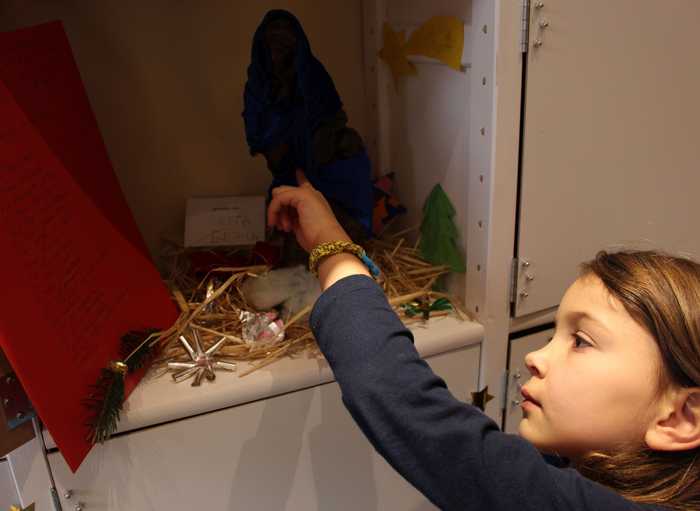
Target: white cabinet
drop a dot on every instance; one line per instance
(586, 142)
(31, 476)
(295, 451)
(8, 489)
(609, 147)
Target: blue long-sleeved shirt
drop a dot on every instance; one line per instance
(450, 451)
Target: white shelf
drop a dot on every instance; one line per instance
(160, 400)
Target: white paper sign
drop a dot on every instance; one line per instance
(223, 221)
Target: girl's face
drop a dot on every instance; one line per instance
(594, 385)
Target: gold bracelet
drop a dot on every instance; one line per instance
(336, 247)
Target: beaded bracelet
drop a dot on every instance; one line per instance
(336, 247)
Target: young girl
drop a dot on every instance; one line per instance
(616, 391)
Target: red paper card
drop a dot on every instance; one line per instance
(37, 66)
(76, 275)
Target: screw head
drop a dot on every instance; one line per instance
(539, 5)
(537, 43)
(523, 294)
(68, 494)
(544, 23)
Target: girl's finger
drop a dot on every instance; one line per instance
(281, 189)
(280, 219)
(273, 211)
(293, 218)
(301, 178)
(289, 197)
(286, 220)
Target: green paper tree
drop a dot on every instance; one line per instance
(438, 242)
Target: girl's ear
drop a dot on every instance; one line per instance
(677, 425)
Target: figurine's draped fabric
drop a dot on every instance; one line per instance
(294, 117)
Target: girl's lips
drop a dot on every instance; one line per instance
(528, 399)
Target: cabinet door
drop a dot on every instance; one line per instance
(610, 153)
(8, 490)
(31, 476)
(291, 452)
(518, 374)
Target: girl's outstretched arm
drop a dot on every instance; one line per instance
(450, 451)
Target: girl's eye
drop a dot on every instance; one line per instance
(580, 342)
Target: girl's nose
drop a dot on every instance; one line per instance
(536, 362)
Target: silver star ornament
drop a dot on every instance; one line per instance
(202, 364)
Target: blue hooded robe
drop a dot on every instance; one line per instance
(273, 120)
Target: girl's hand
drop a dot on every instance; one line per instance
(303, 210)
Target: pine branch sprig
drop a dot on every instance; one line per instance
(106, 400)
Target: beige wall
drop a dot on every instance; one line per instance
(165, 79)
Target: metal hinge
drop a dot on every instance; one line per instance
(525, 27)
(513, 279)
(14, 401)
(504, 390)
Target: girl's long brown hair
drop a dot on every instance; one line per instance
(662, 294)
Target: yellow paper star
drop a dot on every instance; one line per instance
(481, 398)
(393, 53)
(441, 38)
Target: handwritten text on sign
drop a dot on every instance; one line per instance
(221, 221)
